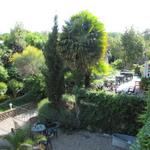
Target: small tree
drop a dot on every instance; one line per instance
(54, 73)
(15, 86)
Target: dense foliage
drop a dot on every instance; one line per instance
(29, 62)
(143, 137)
(145, 83)
(110, 113)
(66, 117)
(83, 42)
(133, 46)
(15, 86)
(54, 72)
(16, 39)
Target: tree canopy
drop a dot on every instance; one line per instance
(83, 41)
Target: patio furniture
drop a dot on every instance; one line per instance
(119, 79)
(128, 75)
(38, 128)
(52, 129)
(131, 90)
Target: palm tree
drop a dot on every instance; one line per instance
(83, 43)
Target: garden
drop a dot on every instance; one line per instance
(74, 78)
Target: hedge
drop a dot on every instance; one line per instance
(143, 138)
(110, 113)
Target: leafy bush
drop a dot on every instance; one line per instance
(65, 116)
(118, 64)
(143, 138)
(68, 98)
(3, 74)
(137, 69)
(29, 62)
(102, 68)
(145, 83)
(18, 138)
(3, 88)
(15, 86)
(30, 96)
(38, 85)
(108, 112)
(3, 98)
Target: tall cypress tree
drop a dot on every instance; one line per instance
(54, 74)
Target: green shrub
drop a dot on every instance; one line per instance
(31, 96)
(118, 64)
(68, 98)
(145, 83)
(38, 85)
(143, 138)
(3, 74)
(109, 112)
(25, 146)
(137, 69)
(3, 88)
(19, 137)
(65, 116)
(15, 86)
(3, 98)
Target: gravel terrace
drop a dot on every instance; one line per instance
(83, 141)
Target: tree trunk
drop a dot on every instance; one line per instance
(87, 79)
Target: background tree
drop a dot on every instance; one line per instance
(29, 62)
(16, 39)
(36, 39)
(83, 43)
(133, 45)
(146, 35)
(54, 72)
(115, 45)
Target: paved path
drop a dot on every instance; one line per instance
(17, 121)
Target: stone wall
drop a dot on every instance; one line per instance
(17, 111)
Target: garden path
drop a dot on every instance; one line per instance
(15, 122)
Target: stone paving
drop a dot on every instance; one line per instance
(15, 122)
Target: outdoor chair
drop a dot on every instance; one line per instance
(52, 129)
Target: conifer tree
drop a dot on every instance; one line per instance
(54, 72)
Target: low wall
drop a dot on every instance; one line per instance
(17, 111)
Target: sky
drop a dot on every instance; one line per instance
(37, 15)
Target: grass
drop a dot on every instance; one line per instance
(17, 102)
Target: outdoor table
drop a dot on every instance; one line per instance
(119, 79)
(38, 128)
(127, 75)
